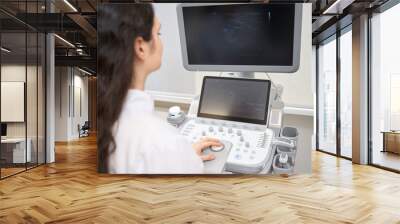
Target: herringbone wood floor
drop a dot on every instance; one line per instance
(70, 191)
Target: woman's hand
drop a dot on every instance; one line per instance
(204, 143)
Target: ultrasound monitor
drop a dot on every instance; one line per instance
(235, 99)
(240, 37)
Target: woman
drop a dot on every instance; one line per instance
(131, 138)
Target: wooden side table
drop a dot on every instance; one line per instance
(391, 141)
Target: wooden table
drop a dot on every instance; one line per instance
(391, 141)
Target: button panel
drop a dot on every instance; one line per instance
(250, 143)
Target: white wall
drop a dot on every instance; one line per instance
(18, 73)
(173, 78)
(34, 126)
(79, 117)
(70, 83)
(61, 103)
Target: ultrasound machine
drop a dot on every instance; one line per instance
(241, 42)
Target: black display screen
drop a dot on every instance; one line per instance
(240, 34)
(243, 100)
(3, 129)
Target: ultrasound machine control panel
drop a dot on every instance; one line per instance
(235, 111)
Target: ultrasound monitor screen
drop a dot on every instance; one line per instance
(240, 34)
(243, 100)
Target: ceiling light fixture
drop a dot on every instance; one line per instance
(70, 5)
(65, 41)
(5, 50)
(84, 71)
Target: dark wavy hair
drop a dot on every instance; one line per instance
(117, 28)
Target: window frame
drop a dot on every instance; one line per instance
(334, 37)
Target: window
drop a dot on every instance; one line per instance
(346, 93)
(394, 101)
(385, 89)
(335, 94)
(327, 96)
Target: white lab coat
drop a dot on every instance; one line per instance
(146, 144)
